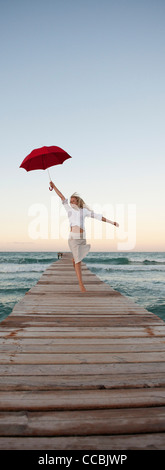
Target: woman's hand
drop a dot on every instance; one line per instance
(110, 221)
(52, 186)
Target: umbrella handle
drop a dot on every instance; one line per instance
(50, 189)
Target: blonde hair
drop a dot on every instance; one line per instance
(80, 201)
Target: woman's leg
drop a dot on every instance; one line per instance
(79, 276)
(73, 261)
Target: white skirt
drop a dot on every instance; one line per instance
(78, 246)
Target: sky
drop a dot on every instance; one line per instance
(87, 76)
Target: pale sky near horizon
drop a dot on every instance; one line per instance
(88, 76)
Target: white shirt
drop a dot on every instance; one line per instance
(77, 216)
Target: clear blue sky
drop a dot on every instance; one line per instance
(88, 76)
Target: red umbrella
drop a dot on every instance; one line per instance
(44, 157)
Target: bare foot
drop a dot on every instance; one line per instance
(82, 288)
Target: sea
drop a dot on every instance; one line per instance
(138, 275)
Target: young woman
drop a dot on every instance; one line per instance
(77, 211)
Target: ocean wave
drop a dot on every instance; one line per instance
(123, 261)
(107, 260)
(26, 260)
(6, 309)
(157, 309)
(10, 269)
(147, 261)
(13, 290)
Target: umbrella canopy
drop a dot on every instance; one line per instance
(44, 157)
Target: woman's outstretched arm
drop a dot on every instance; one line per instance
(57, 191)
(94, 215)
(110, 221)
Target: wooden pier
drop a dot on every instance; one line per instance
(81, 370)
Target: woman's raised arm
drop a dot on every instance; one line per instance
(57, 190)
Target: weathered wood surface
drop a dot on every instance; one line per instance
(81, 370)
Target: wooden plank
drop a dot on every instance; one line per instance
(66, 288)
(130, 343)
(92, 312)
(78, 358)
(80, 369)
(83, 422)
(80, 382)
(111, 322)
(83, 332)
(154, 441)
(98, 302)
(81, 399)
(89, 311)
(28, 346)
